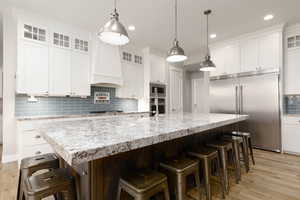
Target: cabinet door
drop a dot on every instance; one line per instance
(217, 56)
(291, 138)
(158, 69)
(292, 71)
(249, 55)
(80, 70)
(60, 71)
(34, 64)
(232, 59)
(175, 84)
(269, 51)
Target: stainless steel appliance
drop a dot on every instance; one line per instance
(157, 98)
(255, 94)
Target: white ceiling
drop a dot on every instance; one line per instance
(154, 18)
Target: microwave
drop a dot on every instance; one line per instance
(161, 90)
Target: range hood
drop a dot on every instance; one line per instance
(106, 65)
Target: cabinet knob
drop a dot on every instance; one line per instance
(38, 153)
(37, 136)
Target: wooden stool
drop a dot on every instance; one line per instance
(177, 171)
(207, 156)
(50, 183)
(248, 141)
(33, 164)
(143, 185)
(224, 148)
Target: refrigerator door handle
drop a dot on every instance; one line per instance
(236, 100)
(241, 99)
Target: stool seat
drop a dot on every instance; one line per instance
(204, 152)
(241, 133)
(232, 138)
(143, 180)
(39, 161)
(50, 183)
(179, 165)
(220, 144)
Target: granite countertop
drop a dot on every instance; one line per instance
(46, 117)
(79, 141)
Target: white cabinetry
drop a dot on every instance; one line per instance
(291, 134)
(256, 51)
(269, 51)
(52, 63)
(80, 74)
(292, 71)
(176, 85)
(249, 55)
(33, 68)
(60, 72)
(157, 69)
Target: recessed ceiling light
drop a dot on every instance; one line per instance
(131, 28)
(212, 36)
(268, 17)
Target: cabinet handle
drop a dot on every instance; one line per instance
(38, 153)
(37, 136)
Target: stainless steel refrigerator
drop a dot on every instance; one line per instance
(256, 95)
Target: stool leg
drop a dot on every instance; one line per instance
(237, 162)
(119, 192)
(181, 187)
(224, 167)
(245, 154)
(251, 150)
(198, 185)
(19, 185)
(222, 182)
(207, 178)
(166, 191)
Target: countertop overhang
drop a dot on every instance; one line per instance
(79, 141)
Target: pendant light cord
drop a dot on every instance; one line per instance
(207, 34)
(176, 34)
(115, 5)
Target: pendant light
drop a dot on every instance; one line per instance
(113, 32)
(207, 65)
(176, 53)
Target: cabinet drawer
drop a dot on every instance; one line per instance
(35, 150)
(291, 138)
(291, 120)
(30, 138)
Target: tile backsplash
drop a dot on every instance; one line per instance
(292, 104)
(72, 105)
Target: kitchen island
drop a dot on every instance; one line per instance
(99, 150)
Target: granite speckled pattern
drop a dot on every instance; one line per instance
(79, 141)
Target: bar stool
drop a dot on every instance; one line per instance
(207, 156)
(236, 143)
(50, 183)
(247, 138)
(143, 185)
(33, 164)
(224, 148)
(177, 171)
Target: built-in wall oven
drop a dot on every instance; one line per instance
(157, 93)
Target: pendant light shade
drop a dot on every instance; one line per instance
(176, 53)
(207, 65)
(113, 32)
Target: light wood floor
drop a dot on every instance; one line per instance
(274, 177)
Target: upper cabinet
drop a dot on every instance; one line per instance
(292, 60)
(52, 61)
(157, 69)
(133, 75)
(257, 51)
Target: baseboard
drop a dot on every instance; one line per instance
(9, 158)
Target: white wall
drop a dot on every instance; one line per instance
(9, 71)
